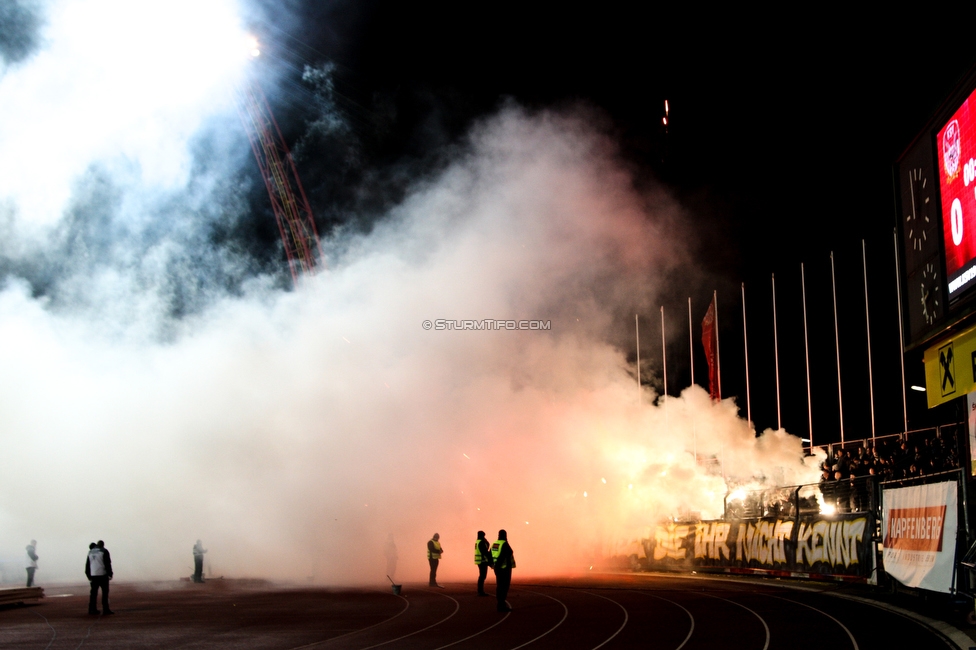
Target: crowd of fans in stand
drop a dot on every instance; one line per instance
(894, 459)
(847, 473)
(850, 476)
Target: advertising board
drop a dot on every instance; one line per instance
(919, 535)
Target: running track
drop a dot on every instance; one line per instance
(604, 611)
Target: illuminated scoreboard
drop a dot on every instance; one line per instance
(936, 195)
(957, 172)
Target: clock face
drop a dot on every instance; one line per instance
(919, 221)
(931, 297)
(920, 215)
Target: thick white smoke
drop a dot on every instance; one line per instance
(124, 83)
(294, 431)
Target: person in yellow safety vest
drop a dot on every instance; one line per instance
(434, 552)
(483, 558)
(503, 558)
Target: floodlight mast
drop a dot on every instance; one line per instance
(288, 201)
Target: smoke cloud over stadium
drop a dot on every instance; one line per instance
(161, 384)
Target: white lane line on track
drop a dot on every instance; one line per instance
(87, 634)
(499, 622)
(948, 633)
(843, 627)
(55, 632)
(368, 627)
(668, 600)
(929, 625)
(751, 611)
(620, 629)
(457, 606)
(565, 614)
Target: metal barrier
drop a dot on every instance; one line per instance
(824, 498)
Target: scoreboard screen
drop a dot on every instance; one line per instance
(935, 199)
(956, 157)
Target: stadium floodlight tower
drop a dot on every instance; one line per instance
(291, 208)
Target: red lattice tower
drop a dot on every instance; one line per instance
(288, 200)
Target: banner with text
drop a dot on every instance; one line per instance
(839, 545)
(919, 534)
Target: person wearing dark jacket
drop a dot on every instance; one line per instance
(482, 557)
(503, 558)
(198, 552)
(98, 569)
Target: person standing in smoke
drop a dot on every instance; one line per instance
(198, 552)
(503, 558)
(31, 562)
(391, 557)
(482, 557)
(98, 569)
(434, 552)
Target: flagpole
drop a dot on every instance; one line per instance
(664, 359)
(867, 326)
(718, 370)
(779, 421)
(901, 334)
(664, 353)
(745, 345)
(806, 350)
(840, 398)
(637, 327)
(691, 352)
(691, 343)
(718, 353)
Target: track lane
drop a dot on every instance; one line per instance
(550, 630)
(21, 625)
(873, 627)
(751, 611)
(790, 625)
(440, 621)
(314, 644)
(691, 620)
(421, 609)
(622, 625)
(602, 612)
(722, 616)
(533, 614)
(478, 633)
(475, 616)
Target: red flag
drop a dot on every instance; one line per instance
(710, 343)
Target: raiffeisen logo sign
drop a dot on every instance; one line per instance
(957, 162)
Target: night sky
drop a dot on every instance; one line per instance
(780, 147)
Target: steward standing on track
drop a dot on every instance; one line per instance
(434, 552)
(483, 558)
(98, 570)
(504, 561)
